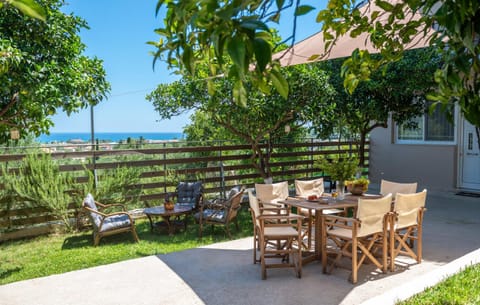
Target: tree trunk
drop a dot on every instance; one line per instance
(361, 149)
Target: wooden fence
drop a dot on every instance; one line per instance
(219, 167)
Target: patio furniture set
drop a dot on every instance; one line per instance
(188, 199)
(381, 227)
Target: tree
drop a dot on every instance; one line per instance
(222, 26)
(456, 36)
(27, 7)
(263, 120)
(227, 35)
(400, 91)
(43, 69)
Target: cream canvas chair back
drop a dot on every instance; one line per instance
(371, 213)
(387, 187)
(407, 207)
(254, 206)
(309, 187)
(271, 193)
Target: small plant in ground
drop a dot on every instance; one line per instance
(40, 183)
(117, 185)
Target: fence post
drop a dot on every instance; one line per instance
(222, 175)
(311, 157)
(164, 168)
(94, 147)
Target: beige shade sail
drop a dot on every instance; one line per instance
(302, 52)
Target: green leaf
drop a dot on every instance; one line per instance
(280, 4)
(30, 8)
(263, 53)
(275, 18)
(374, 15)
(239, 94)
(303, 10)
(280, 83)
(386, 6)
(236, 50)
(254, 25)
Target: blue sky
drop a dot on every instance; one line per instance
(119, 30)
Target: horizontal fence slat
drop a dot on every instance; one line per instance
(217, 166)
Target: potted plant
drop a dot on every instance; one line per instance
(340, 169)
(168, 204)
(357, 186)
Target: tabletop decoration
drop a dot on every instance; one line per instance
(357, 186)
(168, 204)
(340, 168)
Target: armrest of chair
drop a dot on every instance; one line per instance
(215, 204)
(278, 210)
(281, 220)
(340, 221)
(280, 217)
(111, 205)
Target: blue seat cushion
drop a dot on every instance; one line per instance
(115, 222)
(233, 191)
(212, 215)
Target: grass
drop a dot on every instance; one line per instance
(54, 254)
(462, 288)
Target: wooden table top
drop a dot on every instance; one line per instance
(327, 202)
(160, 210)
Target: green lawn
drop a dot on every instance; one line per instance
(460, 289)
(46, 255)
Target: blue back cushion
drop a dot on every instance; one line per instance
(189, 192)
(89, 202)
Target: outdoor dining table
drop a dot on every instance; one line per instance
(323, 203)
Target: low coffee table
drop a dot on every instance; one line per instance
(171, 218)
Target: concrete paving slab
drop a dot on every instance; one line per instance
(224, 273)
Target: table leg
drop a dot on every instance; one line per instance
(151, 222)
(170, 226)
(318, 234)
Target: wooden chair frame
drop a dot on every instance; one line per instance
(402, 238)
(348, 242)
(305, 188)
(275, 235)
(229, 206)
(97, 231)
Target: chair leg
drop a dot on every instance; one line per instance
(262, 259)
(135, 235)
(200, 230)
(228, 231)
(255, 247)
(236, 224)
(391, 244)
(96, 239)
(419, 244)
(354, 261)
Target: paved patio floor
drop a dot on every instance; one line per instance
(224, 273)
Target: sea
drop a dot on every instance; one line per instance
(60, 137)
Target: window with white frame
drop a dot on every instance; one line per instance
(431, 128)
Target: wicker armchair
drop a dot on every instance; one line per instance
(220, 212)
(108, 224)
(189, 193)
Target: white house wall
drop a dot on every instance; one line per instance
(432, 166)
